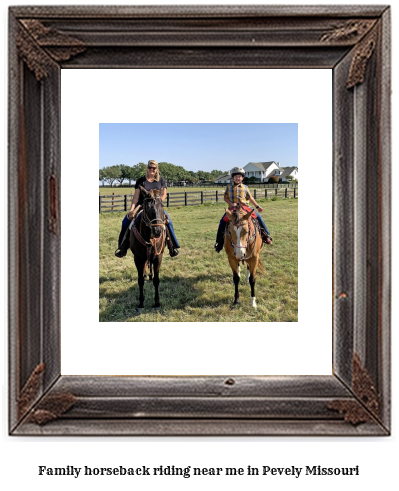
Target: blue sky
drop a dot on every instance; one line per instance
(199, 146)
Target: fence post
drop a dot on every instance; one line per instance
(100, 204)
(294, 193)
(276, 191)
(202, 197)
(286, 192)
(167, 200)
(112, 202)
(265, 192)
(185, 198)
(125, 202)
(255, 193)
(217, 190)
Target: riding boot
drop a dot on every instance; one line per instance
(266, 238)
(220, 239)
(124, 246)
(172, 251)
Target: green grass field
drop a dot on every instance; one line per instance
(120, 191)
(198, 285)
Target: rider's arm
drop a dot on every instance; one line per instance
(227, 199)
(134, 200)
(163, 182)
(252, 200)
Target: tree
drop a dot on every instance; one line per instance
(111, 174)
(138, 170)
(102, 176)
(126, 174)
(216, 173)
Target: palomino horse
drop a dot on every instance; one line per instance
(243, 242)
(147, 242)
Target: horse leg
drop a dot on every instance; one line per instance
(248, 274)
(236, 278)
(252, 267)
(140, 280)
(155, 282)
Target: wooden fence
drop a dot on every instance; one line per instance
(115, 203)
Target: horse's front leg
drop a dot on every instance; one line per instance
(155, 282)
(236, 278)
(140, 281)
(253, 265)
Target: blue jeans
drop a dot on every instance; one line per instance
(126, 223)
(258, 216)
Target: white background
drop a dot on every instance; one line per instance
(202, 96)
(377, 457)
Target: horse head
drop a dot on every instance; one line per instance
(153, 212)
(239, 230)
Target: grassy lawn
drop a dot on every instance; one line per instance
(198, 285)
(120, 191)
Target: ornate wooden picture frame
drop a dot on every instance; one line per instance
(352, 41)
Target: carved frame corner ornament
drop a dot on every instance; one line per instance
(38, 45)
(366, 406)
(351, 41)
(361, 56)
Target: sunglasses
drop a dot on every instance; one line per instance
(152, 168)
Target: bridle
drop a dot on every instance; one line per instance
(250, 241)
(155, 222)
(157, 243)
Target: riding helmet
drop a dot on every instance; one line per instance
(237, 170)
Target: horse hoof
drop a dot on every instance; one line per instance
(139, 310)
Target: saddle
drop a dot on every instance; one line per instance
(244, 207)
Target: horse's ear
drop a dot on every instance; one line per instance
(229, 215)
(247, 216)
(144, 191)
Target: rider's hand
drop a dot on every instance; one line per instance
(260, 209)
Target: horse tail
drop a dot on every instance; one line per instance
(261, 267)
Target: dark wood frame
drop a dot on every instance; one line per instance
(353, 41)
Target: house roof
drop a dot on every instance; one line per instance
(224, 177)
(288, 171)
(262, 165)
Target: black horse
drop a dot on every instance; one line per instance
(147, 241)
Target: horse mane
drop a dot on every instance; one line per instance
(238, 213)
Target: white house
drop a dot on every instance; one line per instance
(261, 170)
(224, 179)
(289, 173)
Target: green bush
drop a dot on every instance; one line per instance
(273, 180)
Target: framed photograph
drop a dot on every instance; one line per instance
(353, 42)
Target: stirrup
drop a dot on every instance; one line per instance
(173, 252)
(120, 252)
